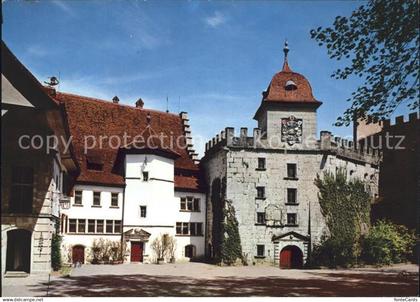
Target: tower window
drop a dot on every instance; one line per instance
(291, 219)
(143, 210)
(261, 218)
(290, 85)
(145, 176)
(291, 171)
(291, 195)
(260, 250)
(261, 163)
(261, 192)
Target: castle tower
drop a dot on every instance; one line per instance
(288, 109)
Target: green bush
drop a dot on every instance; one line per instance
(387, 243)
(56, 252)
(334, 252)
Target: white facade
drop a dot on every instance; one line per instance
(150, 192)
(88, 211)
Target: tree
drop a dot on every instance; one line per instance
(380, 40)
(56, 261)
(162, 246)
(345, 205)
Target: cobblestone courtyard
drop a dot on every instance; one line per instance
(197, 279)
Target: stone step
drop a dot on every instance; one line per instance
(16, 274)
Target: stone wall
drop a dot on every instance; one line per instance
(40, 223)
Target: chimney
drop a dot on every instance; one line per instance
(115, 100)
(139, 103)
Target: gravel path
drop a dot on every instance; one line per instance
(198, 279)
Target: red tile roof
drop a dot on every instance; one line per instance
(277, 91)
(92, 118)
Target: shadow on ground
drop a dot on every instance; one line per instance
(323, 284)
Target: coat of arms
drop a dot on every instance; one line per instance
(291, 130)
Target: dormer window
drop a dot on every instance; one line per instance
(94, 161)
(290, 85)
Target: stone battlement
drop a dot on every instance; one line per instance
(327, 143)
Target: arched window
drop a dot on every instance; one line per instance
(290, 85)
(190, 251)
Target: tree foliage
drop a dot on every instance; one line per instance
(380, 40)
(345, 206)
(231, 242)
(387, 243)
(56, 260)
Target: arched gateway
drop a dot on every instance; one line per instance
(291, 257)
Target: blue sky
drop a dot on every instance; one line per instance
(211, 58)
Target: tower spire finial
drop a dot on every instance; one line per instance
(286, 51)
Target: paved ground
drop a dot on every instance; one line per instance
(198, 279)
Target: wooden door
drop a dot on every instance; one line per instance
(136, 251)
(18, 255)
(286, 258)
(78, 254)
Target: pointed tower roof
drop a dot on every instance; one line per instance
(288, 86)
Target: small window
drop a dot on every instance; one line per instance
(91, 226)
(196, 204)
(261, 218)
(183, 205)
(78, 197)
(291, 219)
(114, 199)
(193, 229)
(22, 190)
(199, 229)
(291, 195)
(185, 228)
(97, 198)
(143, 210)
(72, 225)
(81, 225)
(190, 203)
(291, 171)
(290, 85)
(260, 192)
(261, 163)
(260, 250)
(117, 226)
(179, 228)
(145, 176)
(109, 226)
(99, 226)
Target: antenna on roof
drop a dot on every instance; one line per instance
(179, 104)
(53, 81)
(167, 104)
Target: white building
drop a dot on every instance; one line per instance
(128, 193)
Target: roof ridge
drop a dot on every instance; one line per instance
(88, 98)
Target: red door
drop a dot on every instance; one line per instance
(286, 258)
(291, 257)
(78, 254)
(136, 251)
